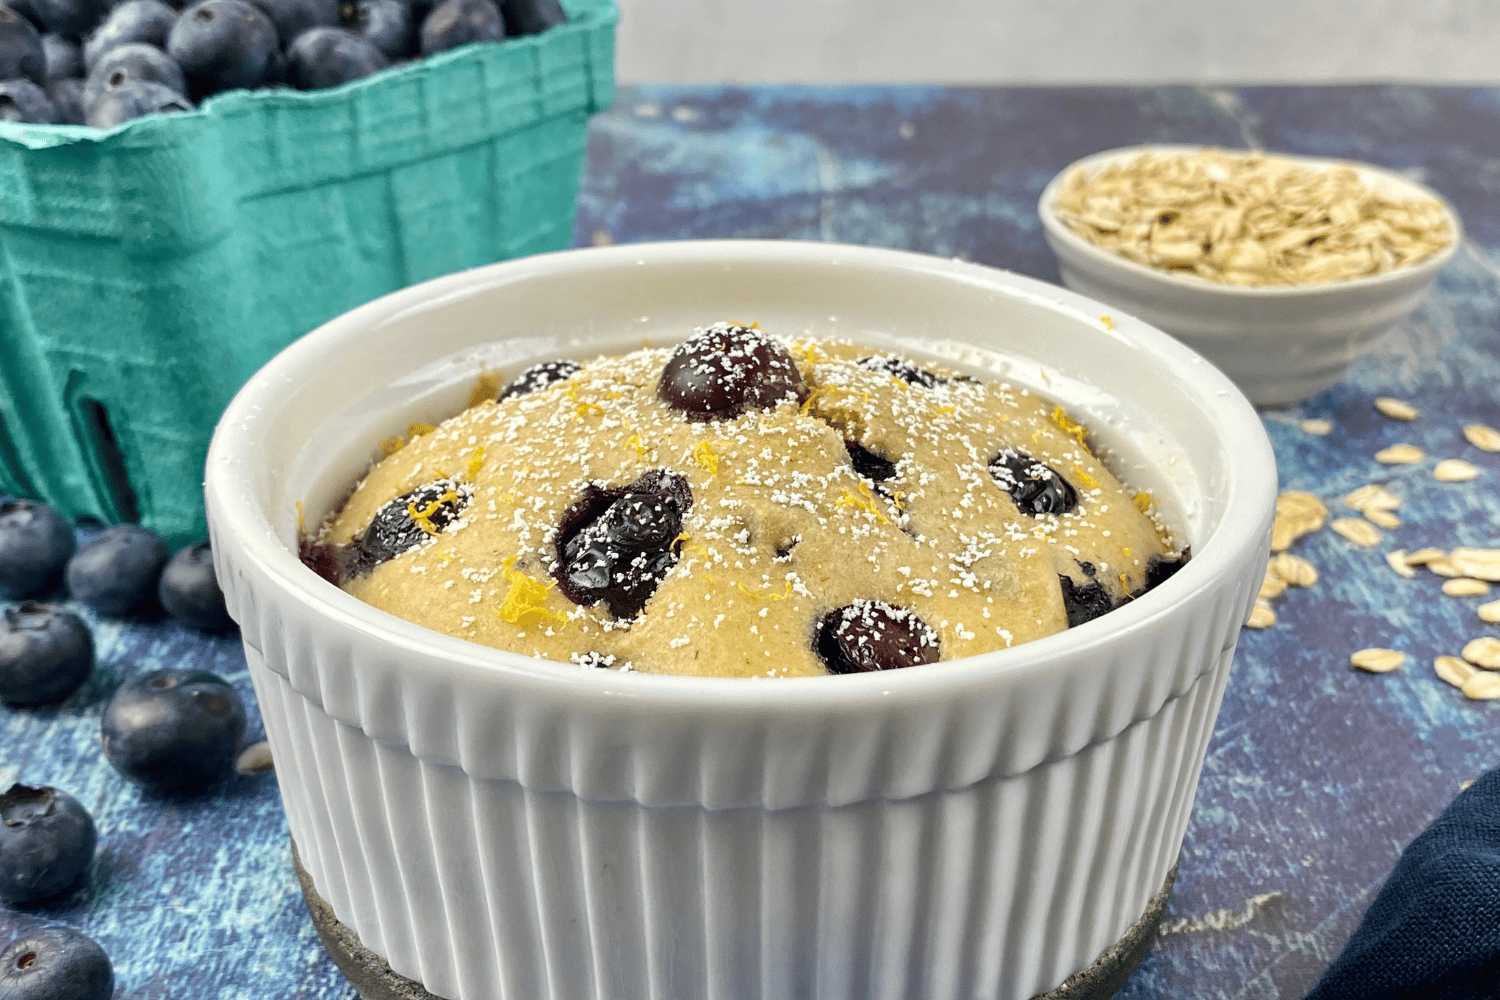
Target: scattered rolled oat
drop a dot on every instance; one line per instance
(1248, 218)
(1377, 660)
(1396, 559)
(1483, 437)
(1383, 518)
(1396, 409)
(1317, 426)
(1484, 652)
(1482, 687)
(1294, 570)
(1297, 513)
(1400, 454)
(1372, 496)
(1442, 567)
(1465, 586)
(1490, 612)
(1455, 470)
(1453, 670)
(254, 759)
(1271, 585)
(1357, 531)
(1423, 557)
(1482, 564)
(1261, 616)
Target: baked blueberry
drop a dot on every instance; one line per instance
(874, 635)
(132, 100)
(538, 377)
(898, 367)
(35, 544)
(116, 571)
(725, 370)
(131, 61)
(224, 44)
(409, 520)
(173, 729)
(530, 17)
(869, 464)
(55, 963)
(67, 98)
(386, 24)
(617, 543)
(63, 57)
(293, 17)
(24, 101)
(458, 22)
(45, 654)
(47, 844)
(72, 18)
(189, 590)
(1160, 569)
(1084, 602)
(146, 21)
(1035, 486)
(327, 57)
(21, 52)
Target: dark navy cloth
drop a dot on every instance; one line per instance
(1433, 932)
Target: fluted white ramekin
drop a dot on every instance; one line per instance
(503, 828)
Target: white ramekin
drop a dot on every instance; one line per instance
(1280, 344)
(503, 828)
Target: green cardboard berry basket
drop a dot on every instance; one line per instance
(147, 272)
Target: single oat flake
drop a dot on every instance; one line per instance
(1293, 570)
(1482, 564)
(1383, 518)
(1317, 426)
(1484, 652)
(1271, 585)
(1396, 409)
(1261, 616)
(1465, 586)
(1377, 660)
(1357, 531)
(1453, 669)
(1490, 612)
(1455, 470)
(1397, 561)
(1482, 687)
(1482, 436)
(1400, 454)
(1372, 496)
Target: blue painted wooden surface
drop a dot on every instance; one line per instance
(1317, 774)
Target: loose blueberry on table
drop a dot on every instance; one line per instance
(47, 843)
(190, 593)
(45, 654)
(116, 571)
(55, 963)
(35, 545)
(173, 729)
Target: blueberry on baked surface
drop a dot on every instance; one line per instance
(55, 963)
(189, 590)
(47, 843)
(1035, 486)
(35, 544)
(539, 376)
(173, 729)
(411, 519)
(874, 635)
(116, 571)
(45, 654)
(726, 370)
(615, 545)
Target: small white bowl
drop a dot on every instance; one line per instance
(496, 826)
(1280, 344)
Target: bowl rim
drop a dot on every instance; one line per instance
(1057, 232)
(250, 540)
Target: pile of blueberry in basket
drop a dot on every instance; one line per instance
(91, 62)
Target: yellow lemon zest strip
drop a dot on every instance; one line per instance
(703, 454)
(1108, 321)
(423, 518)
(418, 429)
(1143, 501)
(639, 445)
(765, 597)
(526, 600)
(391, 445)
(476, 462)
(1069, 426)
(1087, 479)
(864, 502)
(1124, 584)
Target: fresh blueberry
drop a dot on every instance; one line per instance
(67, 98)
(72, 18)
(616, 544)
(46, 844)
(55, 963)
(35, 544)
(24, 101)
(62, 56)
(874, 635)
(21, 52)
(458, 22)
(387, 24)
(293, 17)
(725, 370)
(133, 99)
(190, 592)
(539, 376)
(530, 17)
(133, 61)
(173, 728)
(45, 654)
(1036, 487)
(146, 21)
(116, 571)
(327, 57)
(224, 44)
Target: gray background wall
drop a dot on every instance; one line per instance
(1058, 41)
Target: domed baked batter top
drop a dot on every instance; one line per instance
(746, 506)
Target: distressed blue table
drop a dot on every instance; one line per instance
(1317, 775)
